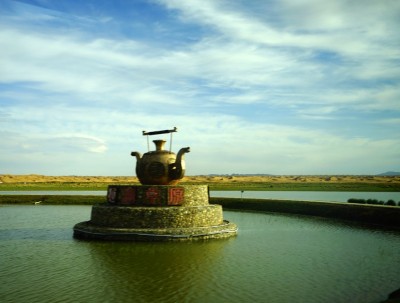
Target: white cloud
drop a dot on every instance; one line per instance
(312, 24)
(131, 72)
(20, 142)
(219, 144)
(254, 92)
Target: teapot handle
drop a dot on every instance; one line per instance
(159, 132)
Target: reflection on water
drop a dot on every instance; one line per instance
(150, 271)
(274, 258)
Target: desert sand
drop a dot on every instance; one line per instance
(33, 178)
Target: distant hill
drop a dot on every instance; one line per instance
(390, 173)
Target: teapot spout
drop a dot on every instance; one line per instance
(137, 155)
(181, 152)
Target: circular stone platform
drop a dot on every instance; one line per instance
(155, 213)
(86, 230)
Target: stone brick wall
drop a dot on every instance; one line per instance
(156, 217)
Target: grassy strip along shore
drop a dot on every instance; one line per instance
(51, 199)
(372, 214)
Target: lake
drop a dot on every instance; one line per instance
(274, 258)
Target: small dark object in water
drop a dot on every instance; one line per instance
(394, 297)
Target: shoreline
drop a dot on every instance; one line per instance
(378, 215)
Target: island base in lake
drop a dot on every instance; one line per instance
(156, 213)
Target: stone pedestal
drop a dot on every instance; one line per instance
(155, 213)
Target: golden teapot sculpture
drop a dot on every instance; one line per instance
(160, 167)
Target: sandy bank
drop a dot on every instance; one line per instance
(33, 178)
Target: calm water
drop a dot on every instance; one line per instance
(296, 195)
(275, 258)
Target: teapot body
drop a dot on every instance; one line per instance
(160, 167)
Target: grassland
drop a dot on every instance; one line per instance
(259, 183)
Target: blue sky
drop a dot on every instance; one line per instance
(261, 86)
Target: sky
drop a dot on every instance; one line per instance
(284, 87)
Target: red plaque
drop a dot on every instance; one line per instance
(153, 196)
(175, 196)
(128, 195)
